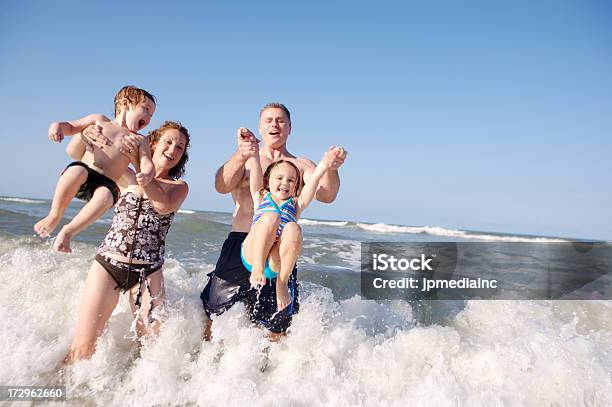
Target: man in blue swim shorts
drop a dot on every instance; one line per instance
(229, 282)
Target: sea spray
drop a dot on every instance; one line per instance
(340, 350)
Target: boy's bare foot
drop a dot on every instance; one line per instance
(62, 241)
(283, 298)
(45, 226)
(257, 277)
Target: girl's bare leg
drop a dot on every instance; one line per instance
(99, 203)
(99, 300)
(146, 325)
(67, 187)
(289, 249)
(258, 243)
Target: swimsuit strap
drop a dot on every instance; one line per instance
(268, 197)
(286, 203)
(287, 211)
(288, 208)
(282, 206)
(141, 274)
(130, 256)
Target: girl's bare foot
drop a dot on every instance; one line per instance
(283, 298)
(257, 277)
(45, 226)
(62, 241)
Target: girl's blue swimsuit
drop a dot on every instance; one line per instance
(287, 213)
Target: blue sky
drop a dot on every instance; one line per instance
(487, 115)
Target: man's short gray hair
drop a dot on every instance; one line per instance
(275, 105)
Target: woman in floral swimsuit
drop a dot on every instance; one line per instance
(132, 253)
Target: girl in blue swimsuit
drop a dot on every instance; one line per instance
(274, 243)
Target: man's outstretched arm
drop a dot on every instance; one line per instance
(330, 182)
(328, 187)
(230, 174)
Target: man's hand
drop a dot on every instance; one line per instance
(93, 137)
(248, 145)
(334, 157)
(55, 132)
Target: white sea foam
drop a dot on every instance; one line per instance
(438, 231)
(22, 200)
(331, 252)
(186, 211)
(349, 352)
(310, 222)
(103, 221)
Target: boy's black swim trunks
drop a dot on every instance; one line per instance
(94, 181)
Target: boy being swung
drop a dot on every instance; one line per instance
(95, 177)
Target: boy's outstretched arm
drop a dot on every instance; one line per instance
(147, 169)
(90, 137)
(57, 130)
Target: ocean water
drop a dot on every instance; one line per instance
(342, 350)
